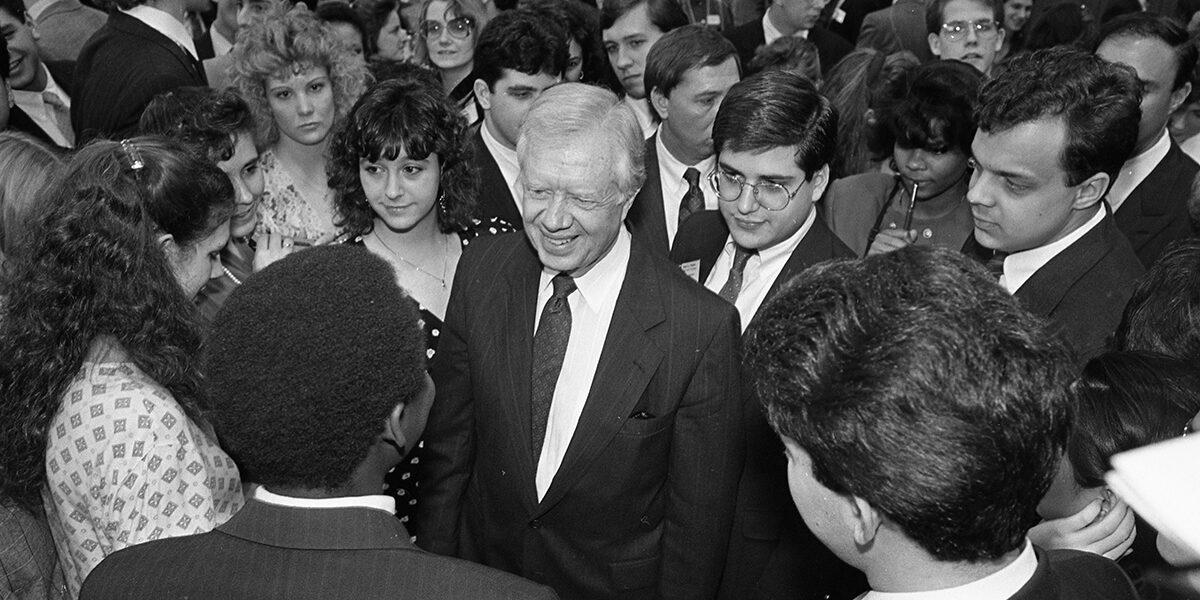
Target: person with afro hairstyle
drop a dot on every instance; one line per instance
(317, 391)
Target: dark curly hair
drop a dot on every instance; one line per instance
(933, 109)
(95, 267)
(204, 120)
(406, 115)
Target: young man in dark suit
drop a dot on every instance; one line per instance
(41, 90)
(900, 26)
(519, 54)
(630, 28)
(774, 136)
(1152, 191)
(317, 391)
(1052, 131)
(923, 413)
(790, 17)
(587, 430)
(688, 72)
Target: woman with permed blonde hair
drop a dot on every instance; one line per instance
(299, 81)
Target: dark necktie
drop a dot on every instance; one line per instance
(549, 348)
(995, 264)
(693, 198)
(733, 285)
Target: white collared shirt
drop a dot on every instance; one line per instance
(1020, 266)
(1191, 147)
(162, 22)
(674, 186)
(772, 33)
(34, 105)
(1136, 169)
(641, 109)
(375, 501)
(592, 305)
(221, 44)
(37, 8)
(1001, 585)
(761, 270)
(506, 159)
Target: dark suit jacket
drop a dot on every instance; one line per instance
(495, 199)
(772, 554)
(1156, 212)
(204, 47)
(1075, 575)
(830, 47)
(897, 27)
(238, 259)
(855, 11)
(269, 551)
(28, 561)
(1083, 290)
(120, 69)
(647, 219)
(64, 26)
(640, 507)
(63, 73)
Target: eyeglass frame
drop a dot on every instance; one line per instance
(954, 36)
(447, 27)
(714, 174)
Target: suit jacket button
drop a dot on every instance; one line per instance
(535, 524)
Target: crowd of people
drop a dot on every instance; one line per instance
(627, 299)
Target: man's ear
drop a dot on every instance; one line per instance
(1179, 96)
(1091, 191)
(935, 44)
(483, 94)
(393, 430)
(820, 181)
(999, 39)
(658, 101)
(33, 30)
(863, 520)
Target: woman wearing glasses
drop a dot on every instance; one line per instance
(448, 33)
(299, 80)
(927, 120)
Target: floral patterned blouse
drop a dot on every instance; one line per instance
(125, 465)
(285, 211)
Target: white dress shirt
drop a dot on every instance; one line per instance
(641, 109)
(772, 33)
(674, 186)
(162, 22)
(1136, 169)
(34, 105)
(221, 44)
(761, 271)
(592, 305)
(1020, 266)
(506, 159)
(1191, 147)
(375, 501)
(36, 9)
(1001, 585)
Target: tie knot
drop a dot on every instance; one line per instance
(995, 264)
(563, 285)
(741, 256)
(692, 176)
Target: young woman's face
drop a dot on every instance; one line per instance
(194, 264)
(392, 40)
(933, 171)
(448, 38)
(402, 192)
(301, 100)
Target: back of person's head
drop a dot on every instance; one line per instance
(571, 113)
(26, 166)
(664, 14)
(410, 116)
(520, 40)
(1115, 9)
(918, 385)
(788, 53)
(383, 70)
(1063, 24)
(1163, 314)
(936, 9)
(338, 12)
(848, 87)
(1098, 102)
(582, 23)
(880, 95)
(304, 377)
(1144, 25)
(682, 49)
(204, 120)
(933, 108)
(777, 109)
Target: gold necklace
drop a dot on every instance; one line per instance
(445, 250)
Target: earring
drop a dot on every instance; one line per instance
(442, 202)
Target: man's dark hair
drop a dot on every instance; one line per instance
(1163, 315)
(684, 48)
(773, 109)
(935, 11)
(521, 40)
(916, 383)
(16, 8)
(303, 376)
(202, 119)
(664, 14)
(933, 107)
(1157, 27)
(1099, 103)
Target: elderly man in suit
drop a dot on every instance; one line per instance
(40, 89)
(317, 392)
(587, 431)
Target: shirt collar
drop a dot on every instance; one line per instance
(162, 22)
(601, 284)
(221, 44)
(772, 33)
(1136, 169)
(505, 156)
(378, 502)
(673, 167)
(30, 98)
(1001, 585)
(641, 110)
(1020, 266)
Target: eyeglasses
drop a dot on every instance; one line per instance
(768, 194)
(957, 30)
(459, 28)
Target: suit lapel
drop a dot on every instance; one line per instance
(648, 218)
(816, 246)
(1042, 292)
(515, 327)
(495, 195)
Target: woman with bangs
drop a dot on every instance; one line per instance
(405, 191)
(929, 124)
(448, 33)
(300, 81)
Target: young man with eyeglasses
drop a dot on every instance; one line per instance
(966, 30)
(774, 136)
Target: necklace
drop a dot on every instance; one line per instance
(441, 280)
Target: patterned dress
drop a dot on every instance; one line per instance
(125, 465)
(285, 211)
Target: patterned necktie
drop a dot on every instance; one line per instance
(62, 115)
(733, 285)
(693, 198)
(549, 348)
(995, 265)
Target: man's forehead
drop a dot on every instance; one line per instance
(1028, 149)
(959, 10)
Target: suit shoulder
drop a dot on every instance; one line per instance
(1086, 575)
(464, 579)
(686, 291)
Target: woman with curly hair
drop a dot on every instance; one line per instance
(26, 165)
(448, 33)
(101, 421)
(299, 80)
(406, 190)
